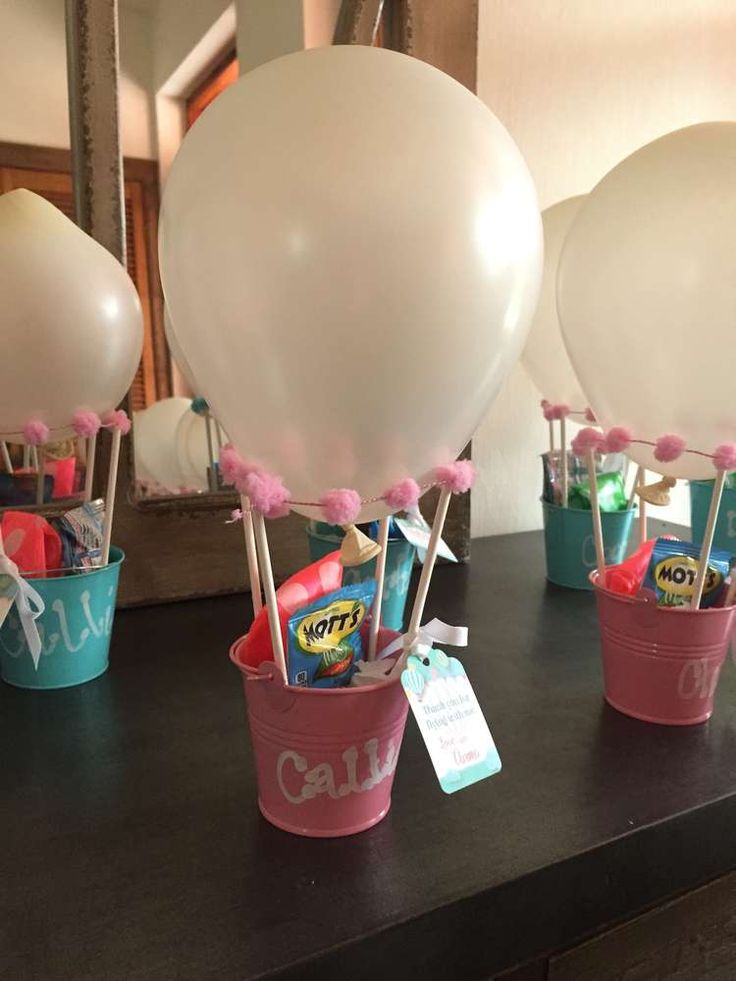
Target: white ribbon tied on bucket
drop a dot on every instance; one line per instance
(30, 606)
(436, 631)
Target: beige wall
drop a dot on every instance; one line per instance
(580, 84)
(33, 87)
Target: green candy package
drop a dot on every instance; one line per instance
(611, 493)
(324, 637)
(673, 569)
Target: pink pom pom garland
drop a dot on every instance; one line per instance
(117, 419)
(669, 447)
(86, 424)
(724, 457)
(457, 477)
(341, 507)
(403, 494)
(267, 494)
(666, 448)
(617, 440)
(588, 439)
(36, 432)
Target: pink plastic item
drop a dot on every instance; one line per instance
(661, 665)
(325, 758)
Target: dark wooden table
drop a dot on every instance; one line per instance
(132, 848)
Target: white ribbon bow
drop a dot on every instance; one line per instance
(435, 631)
(30, 606)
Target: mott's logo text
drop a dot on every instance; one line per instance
(323, 630)
(677, 573)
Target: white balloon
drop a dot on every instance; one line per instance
(361, 238)
(545, 356)
(177, 354)
(192, 450)
(71, 324)
(156, 457)
(647, 294)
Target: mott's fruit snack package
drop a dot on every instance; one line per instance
(673, 568)
(324, 637)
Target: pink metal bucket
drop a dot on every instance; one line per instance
(661, 665)
(325, 758)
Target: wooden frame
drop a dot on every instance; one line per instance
(181, 547)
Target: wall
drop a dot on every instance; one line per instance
(33, 87)
(580, 84)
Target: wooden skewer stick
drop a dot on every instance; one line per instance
(112, 479)
(710, 528)
(600, 555)
(40, 465)
(563, 460)
(269, 589)
(89, 469)
(212, 481)
(6, 457)
(380, 580)
(429, 560)
(26, 457)
(254, 578)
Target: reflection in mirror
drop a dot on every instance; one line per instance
(54, 475)
(177, 441)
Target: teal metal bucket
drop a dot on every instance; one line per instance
(570, 547)
(75, 630)
(399, 563)
(701, 492)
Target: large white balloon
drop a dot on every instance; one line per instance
(647, 294)
(545, 356)
(177, 354)
(361, 238)
(71, 324)
(156, 450)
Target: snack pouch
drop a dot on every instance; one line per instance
(324, 637)
(306, 586)
(611, 493)
(673, 568)
(80, 531)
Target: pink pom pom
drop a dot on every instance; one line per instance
(35, 432)
(590, 415)
(588, 439)
(86, 424)
(117, 419)
(617, 440)
(267, 493)
(402, 495)
(547, 410)
(230, 463)
(669, 447)
(724, 457)
(456, 477)
(341, 507)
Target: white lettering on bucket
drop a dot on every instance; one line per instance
(320, 779)
(612, 553)
(697, 680)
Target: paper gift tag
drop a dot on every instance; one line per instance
(8, 591)
(416, 531)
(450, 720)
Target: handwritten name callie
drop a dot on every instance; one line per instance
(321, 779)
